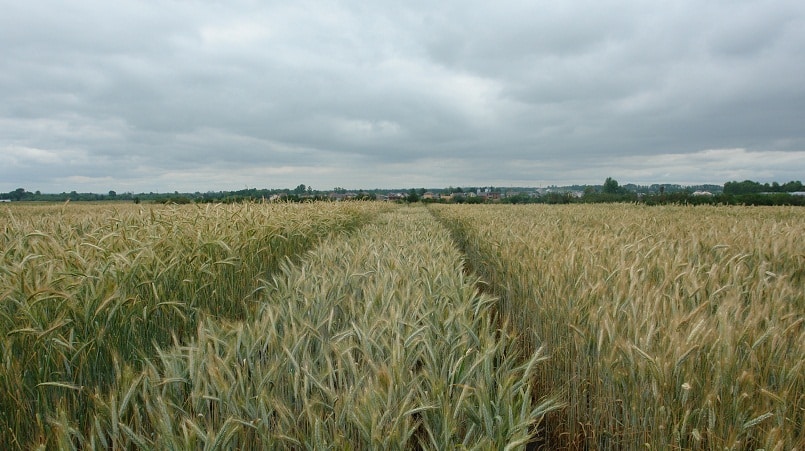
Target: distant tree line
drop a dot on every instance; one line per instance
(301, 193)
(750, 187)
(20, 194)
(732, 193)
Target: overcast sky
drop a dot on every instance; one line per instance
(222, 95)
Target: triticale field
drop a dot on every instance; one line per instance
(368, 325)
(667, 328)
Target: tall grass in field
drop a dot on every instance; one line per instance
(668, 328)
(378, 341)
(86, 290)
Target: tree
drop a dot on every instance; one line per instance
(112, 193)
(17, 194)
(790, 187)
(519, 198)
(611, 187)
(745, 187)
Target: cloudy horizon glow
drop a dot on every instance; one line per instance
(189, 96)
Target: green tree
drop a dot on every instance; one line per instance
(17, 194)
(611, 187)
(745, 187)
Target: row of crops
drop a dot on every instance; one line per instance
(667, 328)
(367, 326)
(183, 328)
(87, 290)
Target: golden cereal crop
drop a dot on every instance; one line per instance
(87, 289)
(370, 325)
(671, 328)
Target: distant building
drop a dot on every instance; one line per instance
(349, 195)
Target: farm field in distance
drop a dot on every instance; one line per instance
(374, 325)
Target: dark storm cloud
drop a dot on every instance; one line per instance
(201, 95)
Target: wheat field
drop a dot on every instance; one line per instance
(87, 289)
(363, 325)
(667, 328)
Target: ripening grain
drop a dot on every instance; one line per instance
(358, 326)
(375, 341)
(672, 327)
(86, 289)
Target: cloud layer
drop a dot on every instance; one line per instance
(196, 96)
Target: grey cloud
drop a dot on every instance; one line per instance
(146, 94)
